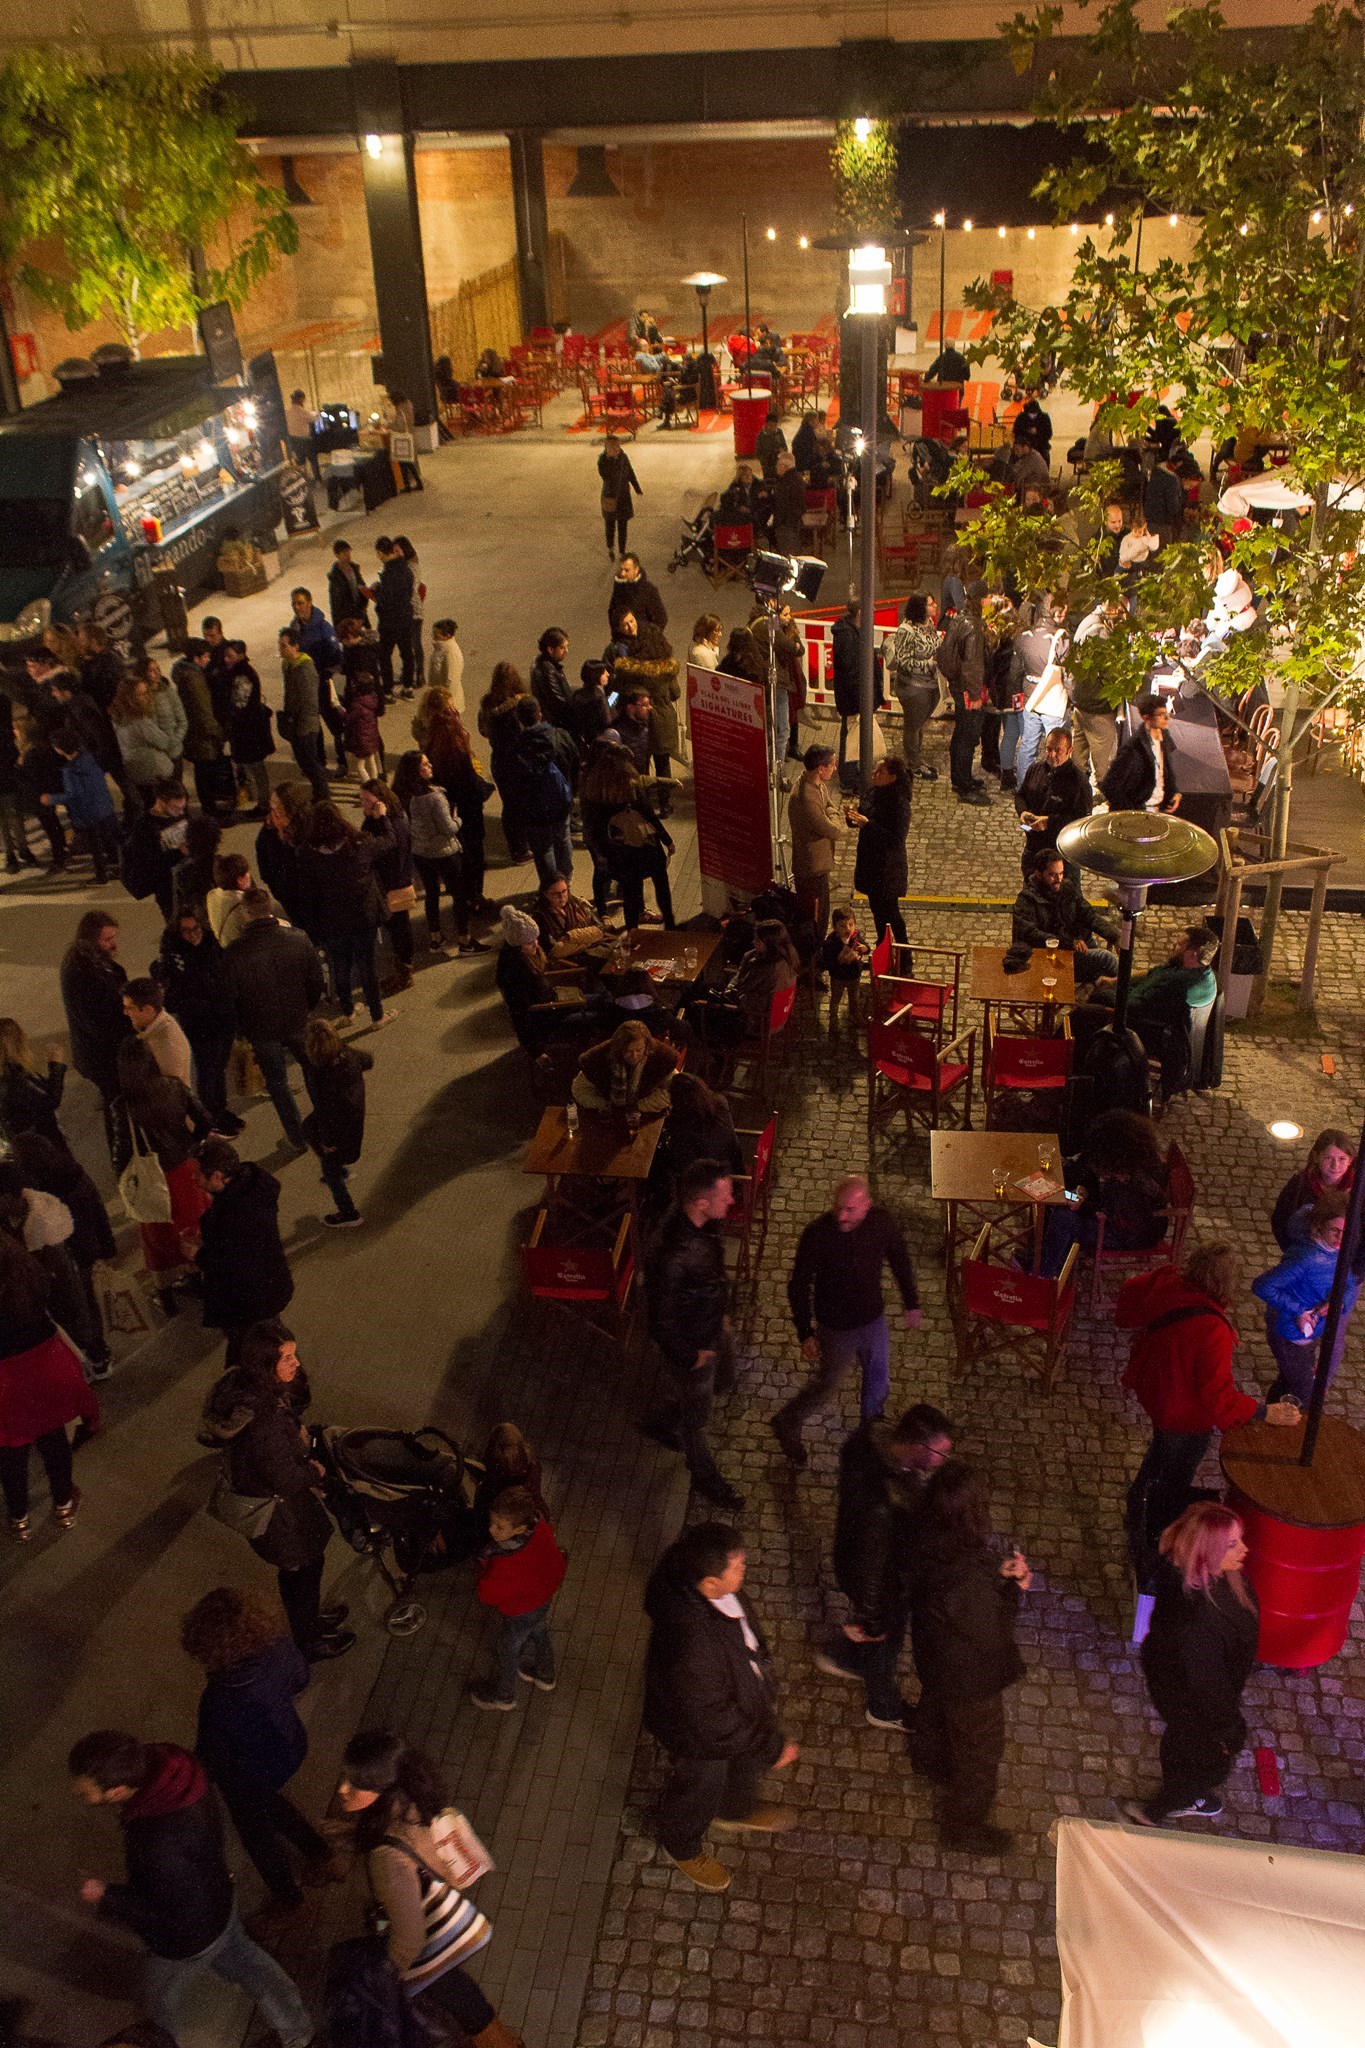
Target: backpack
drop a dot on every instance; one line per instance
(948, 658)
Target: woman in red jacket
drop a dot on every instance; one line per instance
(42, 1389)
(1180, 1368)
(521, 1571)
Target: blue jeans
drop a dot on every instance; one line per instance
(237, 1960)
(552, 851)
(1095, 962)
(1033, 730)
(869, 1348)
(352, 959)
(523, 1644)
(1009, 742)
(272, 1057)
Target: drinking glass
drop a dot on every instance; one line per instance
(1000, 1179)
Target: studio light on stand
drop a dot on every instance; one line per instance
(774, 579)
(708, 394)
(1135, 850)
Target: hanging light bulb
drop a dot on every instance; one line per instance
(803, 242)
(1032, 234)
(966, 227)
(772, 234)
(1001, 233)
(1075, 227)
(1317, 216)
(1174, 220)
(1245, 228)
(862, 128)
(1109, 220)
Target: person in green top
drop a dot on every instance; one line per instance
(1160, 1002)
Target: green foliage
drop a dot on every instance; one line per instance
(1261, 325)
(864, 169)
(119, 174)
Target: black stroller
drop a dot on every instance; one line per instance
(404, 1498)
(696, 542)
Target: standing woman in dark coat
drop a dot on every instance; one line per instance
(267, 1457)
(618, 482)
(278, 843)
(881, 870)
(499, 725)
(92, 981)
(336, 874)
(962, 1606)
(386, 830)
(335, 1075)
(243, 1267)
(447, 746)
(1196, 1659)
(29, 1097)
(250, 1739)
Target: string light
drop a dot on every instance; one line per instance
(1032, 234)
(1109, 220)
(862, 128)
(1349, 211)
(772, 234)
(1317, 216)
(1175, 220)
(966, 227)
(940, 220)
(1001, 233)
(1245, 228)
(1075, 227)
(375, 145)
(803, 242)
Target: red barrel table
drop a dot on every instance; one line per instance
(1305, 1531)
(750, 409)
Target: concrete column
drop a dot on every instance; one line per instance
(533, 228)
(400, 282)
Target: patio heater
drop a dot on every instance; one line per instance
(708, 393)
(869, 275)
(1136, 850)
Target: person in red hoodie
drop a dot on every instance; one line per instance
(177, 1895)
(521, 1571)
(42, 1389)
(1180, 1368)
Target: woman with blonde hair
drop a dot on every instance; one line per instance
(29, 1092)
(629, 1071)
(705, 649)
(251, 1740)
(142, 738)
(1197, 1659)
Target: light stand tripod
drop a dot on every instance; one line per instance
(777, 788)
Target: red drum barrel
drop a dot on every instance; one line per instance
(1305, 1533)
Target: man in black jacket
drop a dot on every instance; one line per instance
(632, 591)
(688, 1291)
(276, 981)
(835, 1292)
(710, 1700)
(241, 1257)
(192, 971)
(1053, 793)
(1141, 776)
(155, 846)
(549, 684)
(882, 1473)
(394, 595)
(1050, 907)
(177, 1897)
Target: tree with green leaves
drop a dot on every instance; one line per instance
(1256, 333)
(125, 193)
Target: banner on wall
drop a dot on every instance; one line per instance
(728, 722)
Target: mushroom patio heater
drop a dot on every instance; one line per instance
(708, 393)
(1135, 850)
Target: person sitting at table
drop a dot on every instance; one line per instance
(631, 1070)
(1119, 1172)
(741, 1011)
(700, 1126)
(1050, 907)
(1160, 1002)
(541, 1012)
(559, 913)
(490, 365)
(635, 998)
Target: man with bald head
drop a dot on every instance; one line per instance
(835, 1291)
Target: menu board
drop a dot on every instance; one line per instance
(728, 721)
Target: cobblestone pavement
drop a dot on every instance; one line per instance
(857, 1928)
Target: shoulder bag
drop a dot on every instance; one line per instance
(1048, 696)
(142, 1184)
(246, 1514)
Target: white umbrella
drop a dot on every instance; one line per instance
(1279, 490)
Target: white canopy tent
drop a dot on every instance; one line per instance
(1171, 1940)
(1279, 490)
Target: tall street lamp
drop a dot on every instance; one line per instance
(869, 275)
(708, 397)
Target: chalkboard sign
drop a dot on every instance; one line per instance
(300, 514)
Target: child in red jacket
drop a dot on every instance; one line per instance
(522, 1570)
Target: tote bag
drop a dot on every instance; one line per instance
(246, 1514)
(142, 1184)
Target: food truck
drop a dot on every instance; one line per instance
(136, 472)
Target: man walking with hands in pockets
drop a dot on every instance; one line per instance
(835, 1291)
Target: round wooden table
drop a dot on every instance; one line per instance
(1305, 1532)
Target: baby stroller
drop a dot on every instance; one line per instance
(404, 1498)
(696, 542)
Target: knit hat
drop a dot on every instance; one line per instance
(517, 928)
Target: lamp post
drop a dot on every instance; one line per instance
(748, 328)
(941, 223)
(701, 282)
(869, 274)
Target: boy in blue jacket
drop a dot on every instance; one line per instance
(85, 794)
(1295, 1294)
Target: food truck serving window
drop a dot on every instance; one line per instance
(33, 533)
(92, 520)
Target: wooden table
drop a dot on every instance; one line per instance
(1022, 996)
(962, 1168)
(686, 955)
(602, 1150)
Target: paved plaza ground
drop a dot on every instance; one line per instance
(855, 1928)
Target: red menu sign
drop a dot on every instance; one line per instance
(730, 779)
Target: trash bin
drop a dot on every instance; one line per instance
(751, 411)
(1247, 962)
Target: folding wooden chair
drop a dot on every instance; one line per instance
(999, 1309)
(1017, 1069)
(734, 546)
(758, 1052)
(748, 1220)
(908, 1073)
(594, 1281)
(926, 981)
